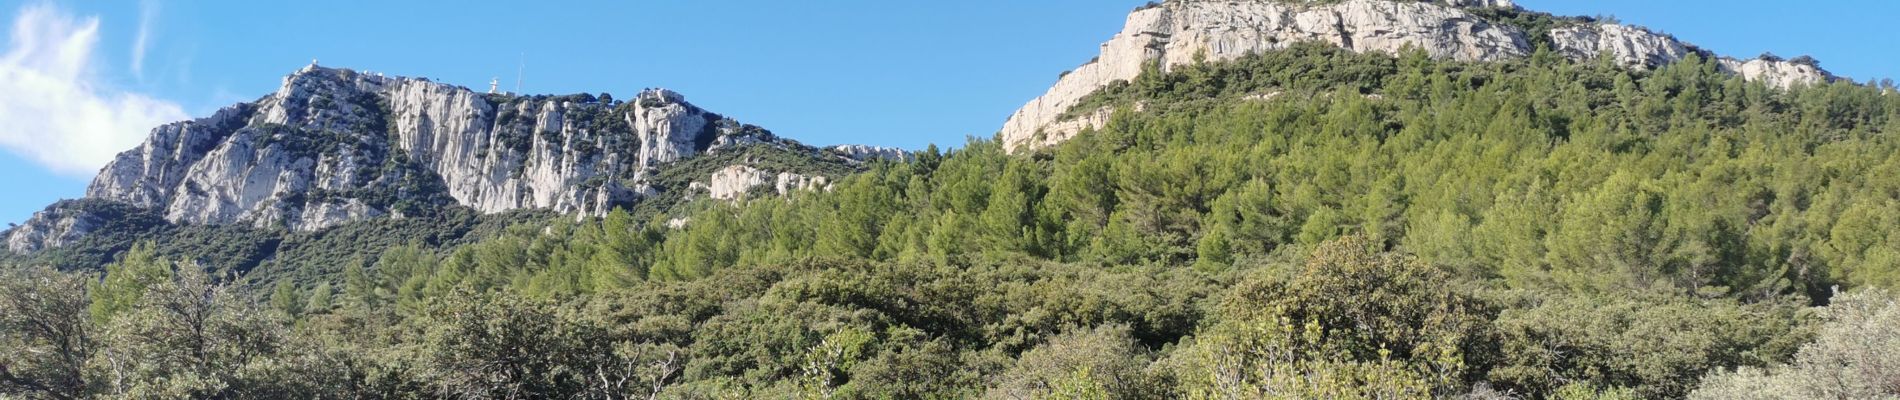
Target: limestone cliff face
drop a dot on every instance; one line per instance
(69, 221)
(1180, 32)
(862, 153)
(735, 181)
(332, 146)
(668, 128)
(51, 228)
(1628, 46)
(1777, 73)
(146, 176)
(1634, 47)
(553, 154)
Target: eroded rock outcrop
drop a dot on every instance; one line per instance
(49, 229)
(69, 221)
(1628, 46)
(146, 176)
(1182, 32)
(668, 128)
(789, 182)
(332, 146)
(732, 182)
(863, 153)
(1179, 32)
(1777, 73)
(735, 181)
(1634, 47)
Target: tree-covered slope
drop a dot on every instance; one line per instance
(1299, 223)
(1541, 173)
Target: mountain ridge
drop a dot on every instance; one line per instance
(1305, 222)
(333, 146)
(1180, 32)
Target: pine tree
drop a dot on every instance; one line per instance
(126, 281)
(288, 299)
(320, 299)
(358, 289)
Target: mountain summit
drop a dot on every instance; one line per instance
(333, 146)
(1179, 32)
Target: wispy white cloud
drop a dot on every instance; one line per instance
(148, 10)
(54, 109)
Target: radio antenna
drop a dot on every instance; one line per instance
(519, 71)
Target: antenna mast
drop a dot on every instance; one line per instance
(519, 71)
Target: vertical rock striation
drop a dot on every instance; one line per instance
(332, 146)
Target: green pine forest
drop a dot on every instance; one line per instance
(1303, 223)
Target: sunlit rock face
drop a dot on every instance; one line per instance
(1777, 73)
(1182, 32)
(1634, 47)
(49, 229)
(1628, 46)
(734, 182)
(863, 153)
(332, 146)
(1178, 32)
(668, 128)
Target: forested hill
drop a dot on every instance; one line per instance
(1166, 35)
(1298, 222)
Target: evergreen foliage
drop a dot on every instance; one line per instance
(1305, 223)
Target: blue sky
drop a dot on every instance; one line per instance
(887, 73)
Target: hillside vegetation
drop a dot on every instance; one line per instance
(1305, 223)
